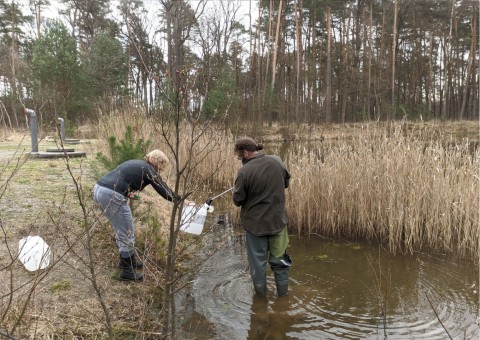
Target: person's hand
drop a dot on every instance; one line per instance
(133, 196)
(187, 202)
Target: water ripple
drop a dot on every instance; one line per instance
(359, 293)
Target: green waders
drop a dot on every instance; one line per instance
(271, 248)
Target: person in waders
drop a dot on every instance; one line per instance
(112, 193)
(260, 192)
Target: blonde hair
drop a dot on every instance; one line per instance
(158, 159)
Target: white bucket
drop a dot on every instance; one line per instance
(34, 253)
(193, 219)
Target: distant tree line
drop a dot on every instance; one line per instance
(292, 61)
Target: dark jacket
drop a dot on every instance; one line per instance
(134, 175)
(260, 191)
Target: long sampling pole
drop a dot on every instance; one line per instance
(209, 201)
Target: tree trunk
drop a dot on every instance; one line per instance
(380, 83)
(369, 84)
(394, 52)
(472, 54)
(258, 65)
(345, 61)
(328, 72)
(313, 71)
(270, 39)
(447, 61)
(171, 68)
(275, 51)
(429, 85)
(298, 28)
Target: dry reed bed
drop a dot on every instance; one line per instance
(407, 192)
(407, 186)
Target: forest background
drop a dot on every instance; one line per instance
(309, 61)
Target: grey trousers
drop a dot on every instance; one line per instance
(115, 206)
(258, 253)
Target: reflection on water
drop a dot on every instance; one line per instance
(338, 290)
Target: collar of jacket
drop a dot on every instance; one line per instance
(245, 161)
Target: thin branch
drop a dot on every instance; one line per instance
(438, 317)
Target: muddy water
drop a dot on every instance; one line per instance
(338, 290)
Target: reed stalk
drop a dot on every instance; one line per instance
(406, 191)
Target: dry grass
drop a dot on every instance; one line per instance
(41, 199)
(209, 147)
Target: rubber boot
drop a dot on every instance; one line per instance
(281, 280)
(260, 288)
(280, 267)
(127, 271)
(136, 263)
(282, 287)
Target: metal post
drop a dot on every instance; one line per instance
(62, 129)
(33, 129)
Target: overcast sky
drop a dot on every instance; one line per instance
(152, 19)
(151, 5)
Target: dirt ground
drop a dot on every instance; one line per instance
(51, 198)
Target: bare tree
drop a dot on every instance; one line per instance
(39, 7)
(299, 65)
(370, 54)
(277, 38)
(328, 72)
(394, 53)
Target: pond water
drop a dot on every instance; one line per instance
(338, 290)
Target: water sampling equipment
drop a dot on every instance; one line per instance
(209, 201)
(193, 216)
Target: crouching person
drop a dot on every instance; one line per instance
(112, 192)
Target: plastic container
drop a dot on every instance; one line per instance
(34, 253)
(193, 219)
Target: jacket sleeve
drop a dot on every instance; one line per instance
(239, 193)
(160, 186)
(163, 190)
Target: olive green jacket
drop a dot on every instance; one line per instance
(260, 192)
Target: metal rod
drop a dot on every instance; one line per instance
(222, 193)
(213, 198)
